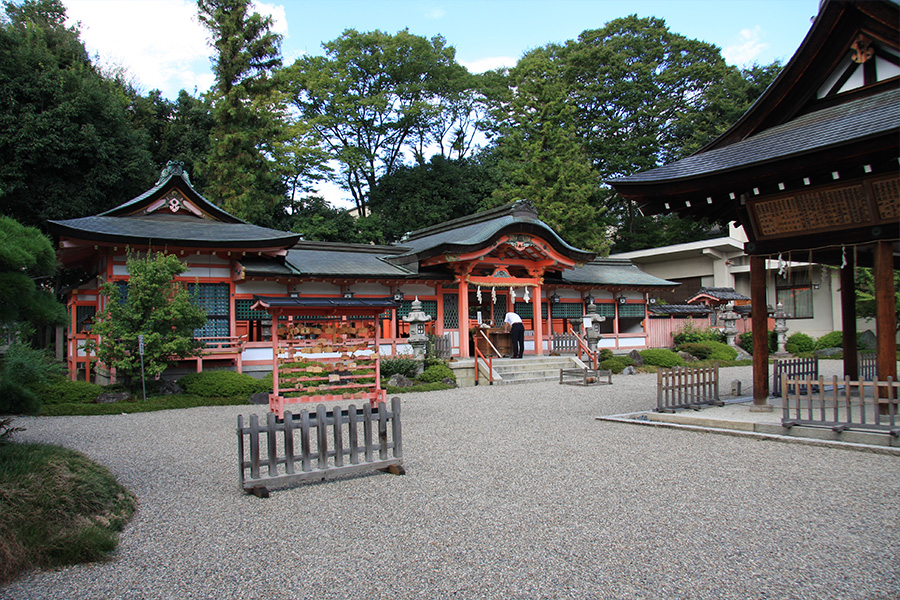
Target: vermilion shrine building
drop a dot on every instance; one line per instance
(475, 267)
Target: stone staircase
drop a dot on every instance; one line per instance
(509, 371)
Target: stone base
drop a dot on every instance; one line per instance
(761, 408)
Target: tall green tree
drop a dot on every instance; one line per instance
(373, 98)
(866, 307)
(241, 172)
(67, 148)
(156, 307)
(542, 154)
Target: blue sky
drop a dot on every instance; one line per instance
(162, 45)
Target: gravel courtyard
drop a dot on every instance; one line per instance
(510, 492)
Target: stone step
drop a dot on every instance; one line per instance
(530, 370)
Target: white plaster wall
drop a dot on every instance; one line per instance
(263, 288)
(318, 287)
(418, 289)
(370, 289)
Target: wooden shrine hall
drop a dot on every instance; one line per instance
(810, 171)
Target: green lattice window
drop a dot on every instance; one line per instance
(213, 298)
(606, 310)
(524, 309)
(243, 312)
(429, 307)
(632, 311)
(567, 310)
(451, 311)
(83, 314)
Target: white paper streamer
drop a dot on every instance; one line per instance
(478, 294)
(527, 296)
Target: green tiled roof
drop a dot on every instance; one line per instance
(614, 272)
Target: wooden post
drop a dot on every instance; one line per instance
(464, 336)
(760, 324)
(538, 322)
(848, 318)
(885, 311)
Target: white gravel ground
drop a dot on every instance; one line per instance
(510, 492)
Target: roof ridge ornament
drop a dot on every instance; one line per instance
(523, 208)
(173, 167)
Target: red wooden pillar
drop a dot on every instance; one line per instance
(538, 322)
(760, 324)
(885, 311)
(848, 319)
(463, 318)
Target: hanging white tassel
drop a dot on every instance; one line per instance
(478, 294)
(527, 296)
(512, 293)
(782, 267)
(493, 295)
(844, 257)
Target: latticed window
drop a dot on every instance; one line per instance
(499, 311)
(524, 309)
(83, 315)
(243, 312)
(632, 311)
(606, 310)
(451, 311)
(429, 307)
(213, 298)
(564, 310)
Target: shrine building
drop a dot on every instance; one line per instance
(469, 270)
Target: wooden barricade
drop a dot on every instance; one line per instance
(868, 366)
(564, 343)
(585, 376)
(687, 387)
(793, 368)
(228, 347)
(282, 462)
(865, 405)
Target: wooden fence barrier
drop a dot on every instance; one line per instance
(315, 460)
(687, 387)
(868, 366)
(564, 343)
(866, 405)
(793, 368)
(585, 376)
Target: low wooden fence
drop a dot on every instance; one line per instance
(585, 376)
(281, 464)
(868, 367)
(864, 405)
(793, 368)
(564, 343)
(687, 387)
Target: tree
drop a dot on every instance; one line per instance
(541, 153)
(413, 197)
(372, 97)
(315, 219)
(241, 172)
(27, 261)
(67, 148)
(154, 305)
(865, 295)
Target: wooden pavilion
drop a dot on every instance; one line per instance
(810, 171)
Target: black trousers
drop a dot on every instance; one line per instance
(517, 337)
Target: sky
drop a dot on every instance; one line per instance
(163, 46)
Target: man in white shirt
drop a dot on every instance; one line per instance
(516, 332)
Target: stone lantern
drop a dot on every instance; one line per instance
(417, 337)
(729, 317)
(781, 329)
(589, 325)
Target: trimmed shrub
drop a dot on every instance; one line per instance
(65, 391)
(700, 350)
(799, 342)
(604, 353)
(661, 357)
(745, 341)
(221, 384)
(615, 364)
(691, 335)
(436, 373)
(721, 351)
(16, 399)
(407, 367)
(835, 339)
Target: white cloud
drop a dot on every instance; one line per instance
(436, 13)
(747, 49)
(161, 43)
(486, 64)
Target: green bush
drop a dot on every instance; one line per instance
(721, 351)
(661, 357)
(799, 342)
(835, 339)
(407, 367)
(61, 390)
(222, 384)
(604, 353)
(16, 399)
(615, 364)
(745, 341)
(691, 335)
(436, 373)
(699, 350)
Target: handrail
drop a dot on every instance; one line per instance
(488, 340)
(490, 363)
(582, 345)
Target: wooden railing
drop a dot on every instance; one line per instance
(687, 387)
(583, 347)
(793, 368)
(868, 366)
(227, 347)
(316, 461)
(845, 404)
(489, 361)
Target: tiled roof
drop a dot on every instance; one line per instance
(679, 309)
(855, 120)
(719, 293)
(614, 272)
(320, 258)
(173, 229)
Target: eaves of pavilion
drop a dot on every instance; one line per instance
(811, 170)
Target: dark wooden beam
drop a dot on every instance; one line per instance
(760, 326)
(885, 311)
(848, 318)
